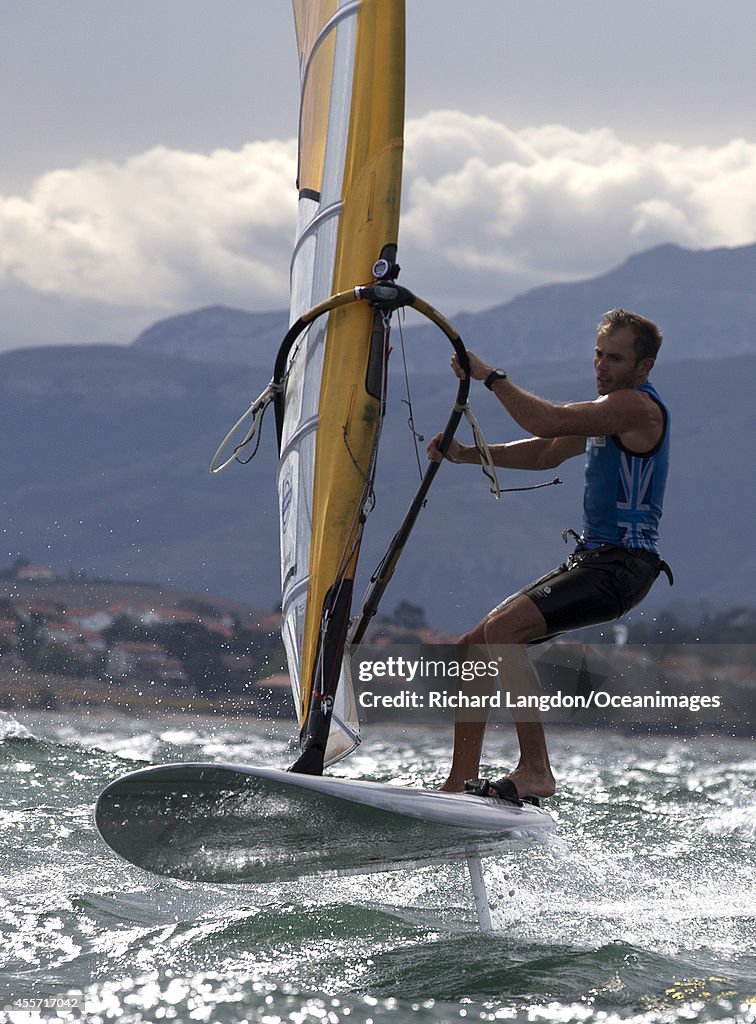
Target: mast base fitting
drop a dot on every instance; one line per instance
(310, 761)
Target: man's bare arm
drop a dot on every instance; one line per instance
(536, 453)
(616, 413)
(621, 412)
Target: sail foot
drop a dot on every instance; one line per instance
(325, 680)
(312, 758)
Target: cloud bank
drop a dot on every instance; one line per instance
(487, 211)
(162, 228)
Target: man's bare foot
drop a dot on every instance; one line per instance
(456, 783)
(452, 786)
(532, 783)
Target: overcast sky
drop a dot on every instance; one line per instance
(148, 157)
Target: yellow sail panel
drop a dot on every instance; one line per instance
(316, 69)
(351, 126)
(309, 18)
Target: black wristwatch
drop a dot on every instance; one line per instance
(493, 376)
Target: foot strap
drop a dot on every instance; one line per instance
(504, 790)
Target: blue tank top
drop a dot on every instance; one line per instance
(624, 491)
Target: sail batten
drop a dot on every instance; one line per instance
(329, 213)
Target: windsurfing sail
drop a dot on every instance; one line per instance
(329, 381)
(351, 61)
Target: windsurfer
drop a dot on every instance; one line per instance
(624, 434)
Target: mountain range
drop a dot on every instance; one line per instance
(705, 302)
(106, 453)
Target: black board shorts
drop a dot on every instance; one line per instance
(593, 586)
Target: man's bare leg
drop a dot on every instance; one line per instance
(532, 776)
(468, 746)
(506, 631)
(469, 723)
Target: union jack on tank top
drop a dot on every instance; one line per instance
(624, 490)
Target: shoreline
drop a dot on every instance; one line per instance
(102, 713)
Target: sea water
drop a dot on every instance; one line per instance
(642, 908)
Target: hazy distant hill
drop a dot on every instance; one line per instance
(106, 450)
(115, 595)
(217, 335)
(105, 467)
(705, 302)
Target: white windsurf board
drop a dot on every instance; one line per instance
(240, 823)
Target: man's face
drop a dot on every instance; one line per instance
(615, 364)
